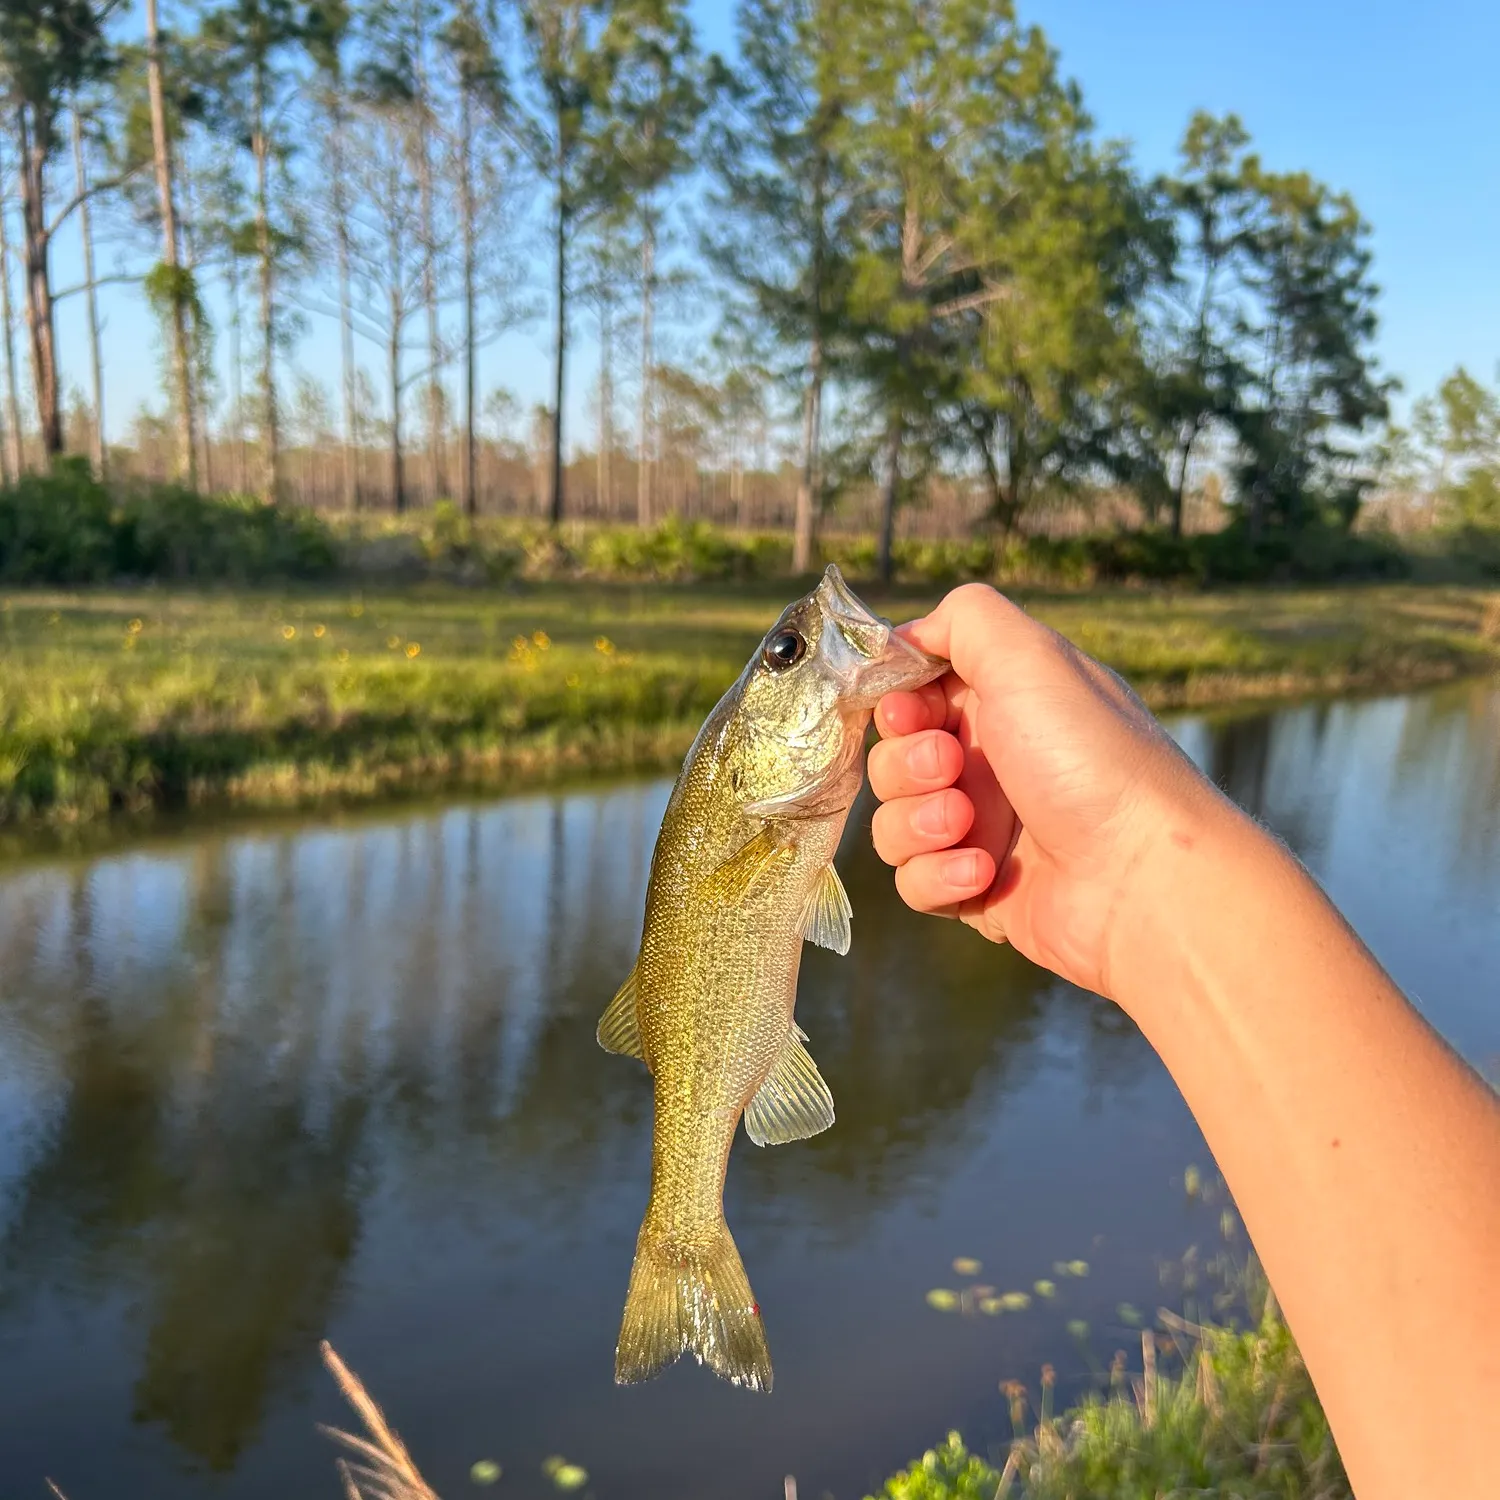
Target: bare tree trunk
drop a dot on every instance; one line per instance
(236, 393)
(466, 209)
(393, 361)
(91, 295)
(40, 325)
(182, 375)
(890, 483)
(199, 375)
(606, 388)
(810, 483)
(559, 382)
(14, 457)
(270, 435)
(340, 206)
(643, 453)
(429, 277)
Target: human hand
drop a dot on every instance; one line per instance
(1030, 793)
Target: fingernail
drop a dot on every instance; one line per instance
(924, 758)
(932, 817)
(961, 870)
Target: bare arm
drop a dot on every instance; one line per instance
(1031, 795)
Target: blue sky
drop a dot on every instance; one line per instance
(1398, 108)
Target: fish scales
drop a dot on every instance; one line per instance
(741, 876)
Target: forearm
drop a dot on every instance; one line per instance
(1363, 1155)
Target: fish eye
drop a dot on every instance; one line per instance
(785, 649)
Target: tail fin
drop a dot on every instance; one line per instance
(692, 1299)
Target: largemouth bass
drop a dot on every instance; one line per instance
(741, 877)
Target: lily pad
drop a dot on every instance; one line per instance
(1077, 1268)
(942, 1299)
(564, 1475)
(1047, 1289)
(966, 1265)
(1129, 1315)
(991, 1305)
(1015, 1301)
(1192, 1182)
(485, 1471)
(1078, 1328)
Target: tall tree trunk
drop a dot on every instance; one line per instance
(643, 445)
(429, 276)
(340, 206)
(466, 209)
(182, 366)
(270, 436)
(810, 481)
(91, 295)
(393, 361)
(40, 325)
(1179, 489)
(606, 386)
(889, 489)
(199, 375)
(14, 457)
(236, 375)
(561, 349)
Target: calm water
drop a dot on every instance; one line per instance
(259, 1087)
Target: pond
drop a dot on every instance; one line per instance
(263, 1085)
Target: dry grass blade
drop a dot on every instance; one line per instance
(52, 1485)
(389, 1473)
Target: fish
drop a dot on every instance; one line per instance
(742, 875)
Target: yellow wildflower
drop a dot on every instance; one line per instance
(413, 650)
(135, 627)
(392, 641)
(320, 631)
(541, 640)
(288, 632)
(603, 645)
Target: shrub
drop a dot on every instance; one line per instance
(57, 527)
(168, 531)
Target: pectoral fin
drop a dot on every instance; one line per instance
(737, 876)
(619, 1026)
(825, 917)
(794, 1102)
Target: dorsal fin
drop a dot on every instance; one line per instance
(794, 1102)
(619, 1026)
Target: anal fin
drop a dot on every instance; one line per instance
(825, 917)
(794, 1102)
(620, 1026)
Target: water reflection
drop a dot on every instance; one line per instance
(257, 1087)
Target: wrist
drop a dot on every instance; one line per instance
(1201, 866)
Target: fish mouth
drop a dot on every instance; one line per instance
(867, 654)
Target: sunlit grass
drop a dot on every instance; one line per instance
(134, 700)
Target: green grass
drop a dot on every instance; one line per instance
(137, 700)
(1228, 1413)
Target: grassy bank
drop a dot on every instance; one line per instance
(162, 697)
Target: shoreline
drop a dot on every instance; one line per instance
(241, 711)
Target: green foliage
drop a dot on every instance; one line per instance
(66, 527)
(1239, 1418)
(57, 528)
(170, 532)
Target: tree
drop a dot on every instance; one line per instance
(49, 51)
(967, 154)
(90, 291)
(656, 98)
(250, 41)
(387, 277)
(482, 162)
(781, 240)
(1311, 384)
(326, 35)
(567, 70)
(1199, 377)
(170, 282)
(1460, 428)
